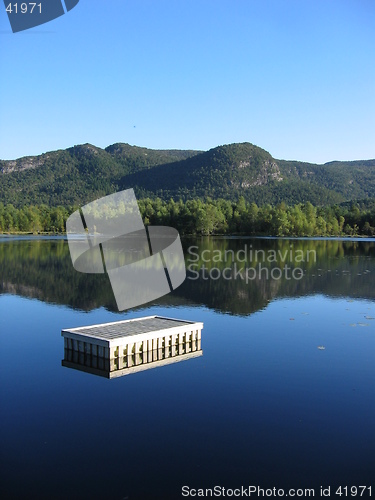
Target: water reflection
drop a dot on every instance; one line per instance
(134, 363)
(42, 269)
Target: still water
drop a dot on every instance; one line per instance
(262, 405)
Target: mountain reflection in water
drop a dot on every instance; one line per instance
(216, 272)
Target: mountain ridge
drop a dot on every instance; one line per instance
(82, 173)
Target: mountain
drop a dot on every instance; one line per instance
(76, 175)
(231, 171)
(83, 173)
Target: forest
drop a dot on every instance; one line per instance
(214, 217)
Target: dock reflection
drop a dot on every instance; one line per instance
(126, 365)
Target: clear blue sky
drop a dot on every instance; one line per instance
(295, 77)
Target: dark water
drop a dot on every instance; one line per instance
(263, 406)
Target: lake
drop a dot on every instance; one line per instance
(283, 395)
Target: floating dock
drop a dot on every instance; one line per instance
(124, 347)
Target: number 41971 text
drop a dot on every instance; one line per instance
(24, 8)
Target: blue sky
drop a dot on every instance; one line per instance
(296, 78)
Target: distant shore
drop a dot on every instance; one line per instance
(209, 217)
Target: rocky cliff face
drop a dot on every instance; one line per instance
(269, 171)
(26, 163)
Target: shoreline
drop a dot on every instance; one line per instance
(358, 237)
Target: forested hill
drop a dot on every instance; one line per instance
(82, 173)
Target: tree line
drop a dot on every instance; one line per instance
(208, 217)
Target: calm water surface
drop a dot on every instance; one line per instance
(262, 406)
